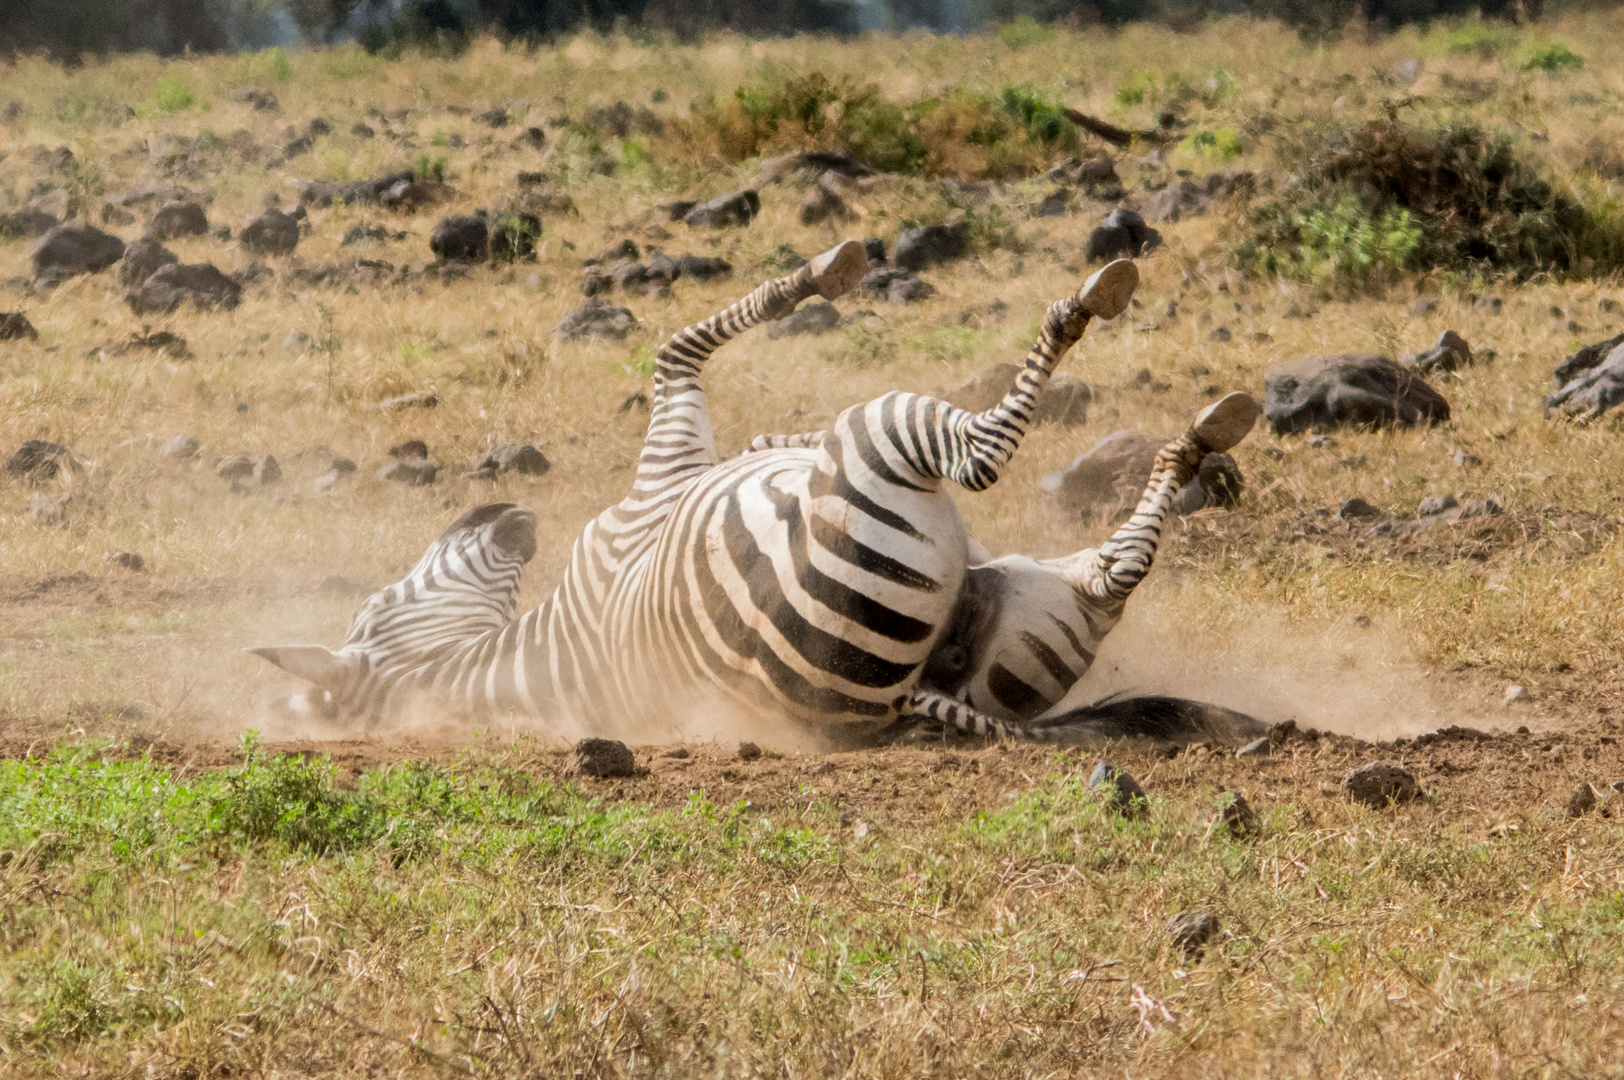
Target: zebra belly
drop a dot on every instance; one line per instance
(763, 590)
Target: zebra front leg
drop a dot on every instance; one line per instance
(679, 441)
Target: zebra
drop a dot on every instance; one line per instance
(1024, 630)
(815, 576)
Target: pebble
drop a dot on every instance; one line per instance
(1192, 930)
(1582, 801)
(1126, 796)
(1255, 748)
(1238, 815)
(749, 751)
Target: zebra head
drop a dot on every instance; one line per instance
(465, 586)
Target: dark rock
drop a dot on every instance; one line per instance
(1380, 784)
(74, 248)
(170, 286)
(595, 281)
(1256, 748)
(1123, 791)
(128, 560)
(14, 325)
(513, 457)
(1357, 509)
(1591, 388)
(812, 319)
(633, 277)
(1111, 474)
(1218, 482)
(1347, 391)
(533, 137)
(1237, 814)
(1582, 801)
(1123, 233)
(494, 118)
(909, 290)
(676, 209)
(321, 193)
(234, 467)
(1191, 931)
(361, 130)
(1436, 504)
(412, 195)
(928, 245)
(703, 267)
(267, 470)
(461, 236)
(317, 126)
(735, 209)
(1465, 459)
(662, 268)
(38, 460)
(181, 448)
(1055, 204)
(410, 450)
(362, 233)
(626, 249)
(874, 247)
(28, 223)
(1180, 199)
(178, 219)
(749, 751)
(821, 204)
(601, 758)
(414, 473)
(806, 167)
(142, 259)
(596, 319)
(271, 233)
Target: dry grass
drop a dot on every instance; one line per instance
(1358, 944)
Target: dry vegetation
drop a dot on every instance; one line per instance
(477, 915)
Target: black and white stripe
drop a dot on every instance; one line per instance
(816, 575)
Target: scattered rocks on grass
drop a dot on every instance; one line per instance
(928, 245)
(1123, 791)
(1449, 353)
(1123, 233)
(1191, 931)
(808, 320)
(739, 208)
(15, 325)
(1380, 784)
(238, 468)
(515, 457)
(1180, 199)
(1582, 801)
(38, 460)
(492, 118)
(413, 473)
(820, 205)
(170, 286)
(1064, 401)
(50, 511)
(126, 560)
(178, 219)
(1097, 177)
(596, 319)
(1348, 390)
(181, 447)
(28, 223)
(513, 234)
(461, 236)
(896, 285)
(601, 758)
(271, 233)
(1591, 381)
(1357, 509)
(261, 98)
(1055, 204)
(321, 193)
(1111, 473)
(142, 259)
(73, 248)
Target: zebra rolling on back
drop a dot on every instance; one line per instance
(816, 576)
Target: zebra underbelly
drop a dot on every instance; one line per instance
(763, 589)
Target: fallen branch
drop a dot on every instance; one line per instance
(1110, 132)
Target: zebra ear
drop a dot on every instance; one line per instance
(312, 663)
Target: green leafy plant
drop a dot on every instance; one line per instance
(1024, 31)
(1139, 88)
(1485, 39)
(1224, 144)
(172, 95)
(431, 168)
(1551, 57)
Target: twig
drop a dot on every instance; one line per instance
(1110, 132)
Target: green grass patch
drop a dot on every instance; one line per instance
(172, 95)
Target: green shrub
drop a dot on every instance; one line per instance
(1369, 201)
(1552, 57)
(1224, 144)
(1024, 31)
(1139, 87)
(172, 95)
(1485, 39)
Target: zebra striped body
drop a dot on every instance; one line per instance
(817, 576)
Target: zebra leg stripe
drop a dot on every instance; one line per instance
(946, 710)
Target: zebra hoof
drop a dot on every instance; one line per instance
(1106, 294)
(837, 271)
(1225, 422)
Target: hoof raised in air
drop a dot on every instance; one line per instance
(1225, 422)
(1106, 294)
(837, 271)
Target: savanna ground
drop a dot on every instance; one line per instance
(441, 900)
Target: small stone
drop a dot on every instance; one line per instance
(596, 319)
(1516, 694)
(1221, 334)
(271, 233)
(181, 448)
(909, 290)
(38, 460)
(1436, 504)
(820, 205)
(413, 473)
(512, 457)
(461, 237)
(410, 450)
(178, 219)
(15, 325)
(749, 751)
(1191, 931)
(601, 758)
(262, 98)
(1124, 792)
(1582, 801)
(703, 267)
(361, 130)
(812, 319)
(928, 245)
(681, 753)
(1356, 509)
(1381, 783)
(1256, 748)
(1237, 814)
(200, 284)
(129, 560)
(1465, 459)
(267, 470)
(735, 209)
(234, 467)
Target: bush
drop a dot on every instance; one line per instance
(1366, 203)
(1552, 57)
(172, 95)
(1024, 31)
(1222, 145)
